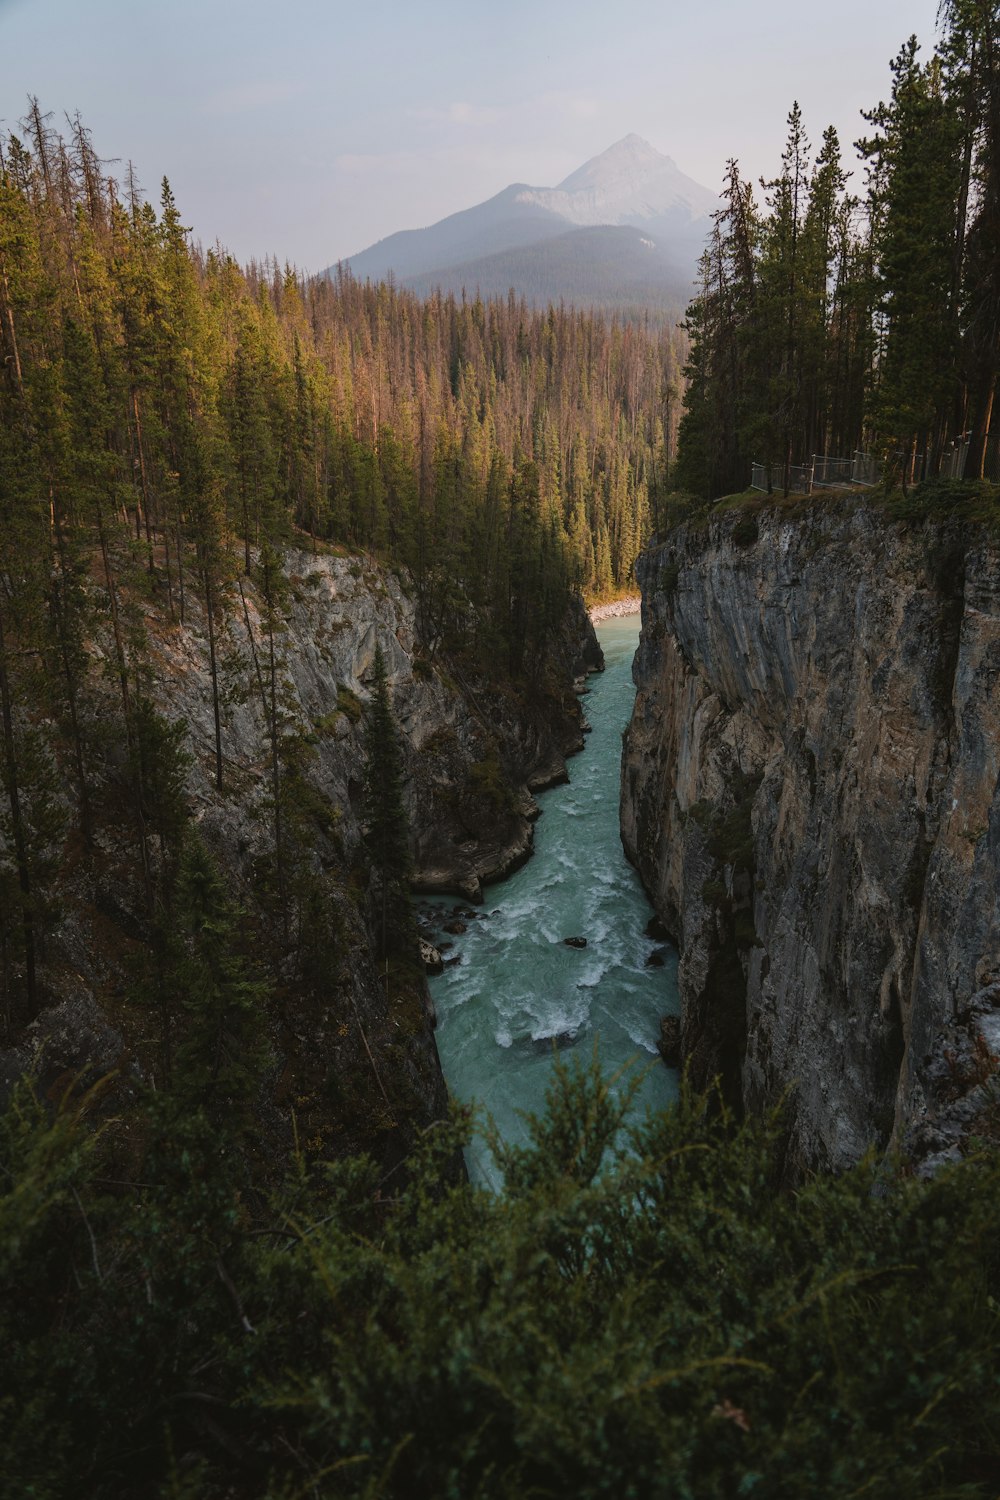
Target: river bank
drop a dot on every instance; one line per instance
(616, 609)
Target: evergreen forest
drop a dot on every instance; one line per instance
(170, 423)
(838, 316)
(672, 1325)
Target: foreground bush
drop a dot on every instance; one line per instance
(664, 1323)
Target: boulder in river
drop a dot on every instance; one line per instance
(575, 942)
(656, 959)
(430, 957)
(455, 928)
(655, 929)
(557, 1041)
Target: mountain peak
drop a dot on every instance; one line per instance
(631, 155)
(629, 183)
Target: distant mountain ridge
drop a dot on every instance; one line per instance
(624, 229)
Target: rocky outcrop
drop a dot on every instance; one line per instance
(474, 751)
(810, 793)
(478, 751)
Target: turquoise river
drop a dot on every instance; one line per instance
(514, 995)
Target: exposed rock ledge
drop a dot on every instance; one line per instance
(810, 793)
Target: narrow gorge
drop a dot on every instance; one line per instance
(810, 793)
(560, 959)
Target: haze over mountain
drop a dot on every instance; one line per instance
(626, 228)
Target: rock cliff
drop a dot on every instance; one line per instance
(353, 1051)
(810, 793)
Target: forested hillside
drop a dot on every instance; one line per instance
(851, 312)
(168, 422)
(510, 443)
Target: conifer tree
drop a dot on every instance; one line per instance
(971, 48)
(224, 1050)
(385, 822)
(917, 151)
(273, 587)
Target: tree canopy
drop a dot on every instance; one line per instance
(833, 319)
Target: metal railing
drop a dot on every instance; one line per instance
(831, 471)
(865, 469)
(826, 472)
(953, 462)
(758, 477)
(821, 472)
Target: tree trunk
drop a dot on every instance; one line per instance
(213, 665)
(976, 460)
(17, 826)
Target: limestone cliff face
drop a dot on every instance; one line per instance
(354, 1059)
(810, 792)
(473, 753)
(478, 752)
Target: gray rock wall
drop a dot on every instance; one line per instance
(354, 1058)
(810, 793)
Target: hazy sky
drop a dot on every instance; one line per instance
(311, 129)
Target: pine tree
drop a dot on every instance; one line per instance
(224, 1051)
(782, 298)
(386, 828)
(972, 58)
(917, 165)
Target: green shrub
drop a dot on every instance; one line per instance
(653, 1321)
(349, 703)
(669, 575)
(746, 531)
(487, 780)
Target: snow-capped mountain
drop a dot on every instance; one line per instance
(630, 183)
(580, 240)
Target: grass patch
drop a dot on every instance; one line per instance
(974, 502)
(349, 703)
(487, 780)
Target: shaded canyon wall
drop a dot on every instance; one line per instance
(810, 793)
(354, 1058)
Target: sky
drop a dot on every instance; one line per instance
(309, 130)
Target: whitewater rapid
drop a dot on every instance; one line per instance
(513, 993)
